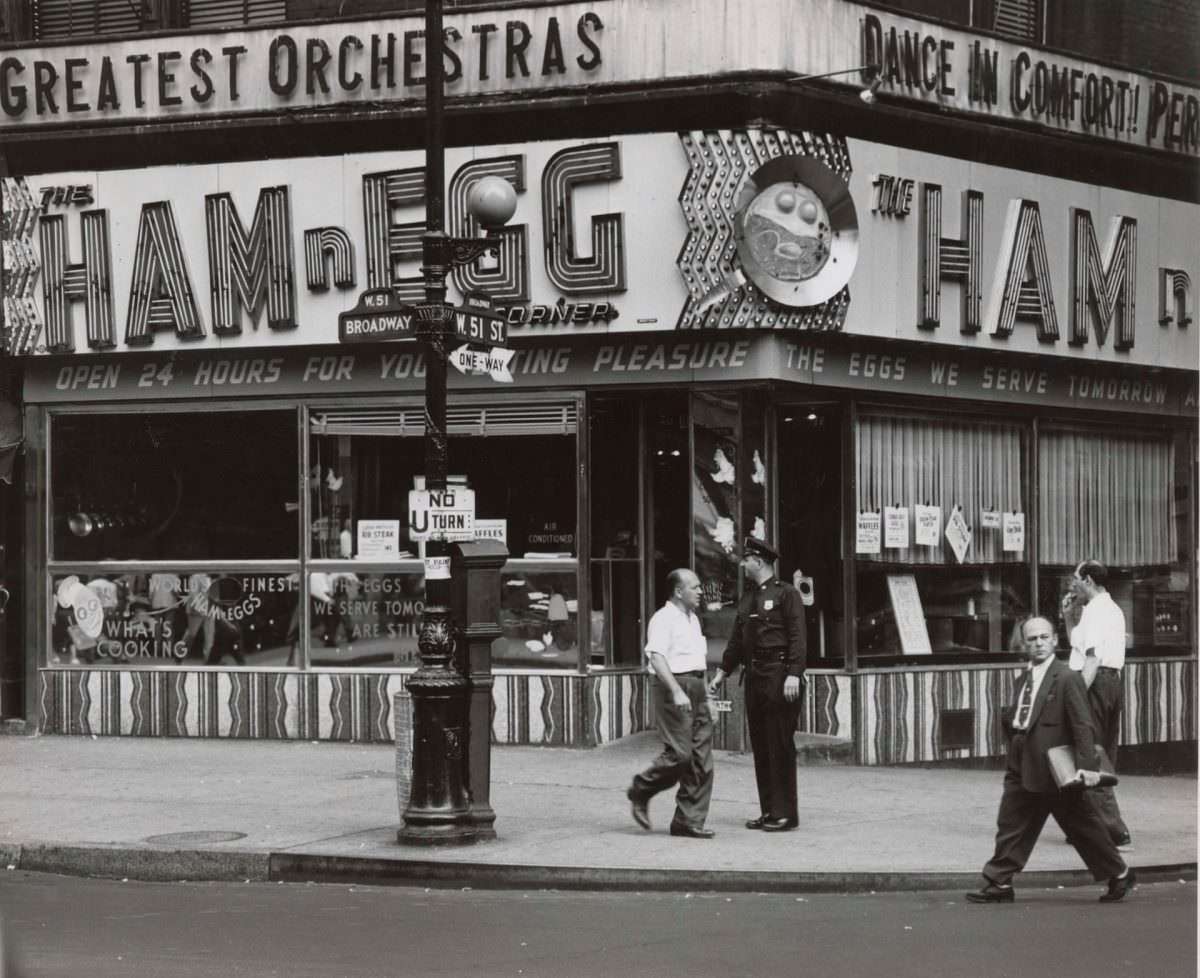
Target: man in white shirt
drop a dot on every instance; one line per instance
(678, 658)
(1096, 626)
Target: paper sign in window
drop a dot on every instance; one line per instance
(989, 519)
(928, 521)
(867, 539)
(910, 616)
(1014, 532)
(378, 539)
(895, 526)
(958, 534)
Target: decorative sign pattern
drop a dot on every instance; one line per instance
(22, 324)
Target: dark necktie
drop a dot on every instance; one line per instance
(1025, 706)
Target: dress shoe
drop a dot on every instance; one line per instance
(779, 824)
(992, 894)
(689, 832)
(1118, 886)
(756, 823)
(1125, 843)
(639, 809)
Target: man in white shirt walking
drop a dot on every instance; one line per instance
(1096, 626)
(678, 654)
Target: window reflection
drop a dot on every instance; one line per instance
(175, 618)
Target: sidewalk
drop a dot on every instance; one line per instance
(267, 810)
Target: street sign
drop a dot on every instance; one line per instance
(448, 514)
(474, 326)
(379, 315)
(477, 321)
(494, 363)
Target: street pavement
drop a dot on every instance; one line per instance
(163, 809)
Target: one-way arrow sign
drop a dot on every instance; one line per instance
(492, 362)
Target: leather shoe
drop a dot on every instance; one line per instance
(756, 823)
(690, 832)
(639, 809)
(1118, 886)
(992, 894)
(779, 824)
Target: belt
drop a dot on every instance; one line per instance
(695, 674)
(768, 655)
(1109, 669)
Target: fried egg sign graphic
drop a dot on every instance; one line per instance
(796, 230)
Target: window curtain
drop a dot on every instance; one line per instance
(918, 461)
(1106, 497)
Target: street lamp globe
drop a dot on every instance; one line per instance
(492, 201)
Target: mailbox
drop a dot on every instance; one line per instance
(475, 607)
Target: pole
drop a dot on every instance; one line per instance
(438, 811)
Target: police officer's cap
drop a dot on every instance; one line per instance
(752, 546)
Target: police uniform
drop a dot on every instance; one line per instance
(768, 642)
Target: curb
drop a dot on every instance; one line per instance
(145, 865)
(205, 865)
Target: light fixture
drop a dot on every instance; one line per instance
(867, 94)
(675, 453)
(812, 416)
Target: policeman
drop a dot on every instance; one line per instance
(768, 643)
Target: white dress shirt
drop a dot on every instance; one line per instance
(1101, 627)
(676, 636)
(1037, 674)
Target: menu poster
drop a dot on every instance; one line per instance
(868, 532)
(929, 525)
(958, 534)
(910, 616)
(895, 526)
(1014, 532)
(989, 519)
(378, 539)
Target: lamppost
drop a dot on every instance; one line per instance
(438, 810)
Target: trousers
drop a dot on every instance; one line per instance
(686, 759)
(1022, 815)
(772, 722)
(1105, 697)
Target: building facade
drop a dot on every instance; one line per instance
(908, 291)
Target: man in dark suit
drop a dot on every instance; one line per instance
(1052, 710)
(768, 642)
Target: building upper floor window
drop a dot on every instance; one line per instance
(73, 18)
(236, 13)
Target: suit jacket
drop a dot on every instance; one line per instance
(1060, 715)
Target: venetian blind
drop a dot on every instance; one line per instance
(1106, 497)
(234, 13)
(539, 418)
(74, 18)
(906, 462)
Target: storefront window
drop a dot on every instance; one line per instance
(1121, 498)
(174, 486)
(717, 479)
(539, 615)
(519, 460)
(940, 535)
(365, 618)
(175, 617)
